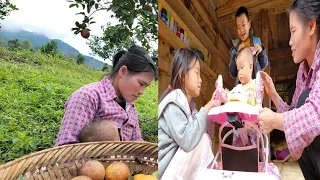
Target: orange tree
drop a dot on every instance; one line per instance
(137, 23)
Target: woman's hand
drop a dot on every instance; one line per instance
(270, 88)
(213, 102)
(269, 120)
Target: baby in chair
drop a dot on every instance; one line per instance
(246, 93)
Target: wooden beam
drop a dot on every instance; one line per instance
(210, 17)
(283, 32)
(218, 3)
(274, 30)
(203, 21)
(203, 13)
(274, 7)
(232, 6)
(216, 23)
(223, 51)
(264, 39)
(183, 13)
(264, 29)
(279, 53)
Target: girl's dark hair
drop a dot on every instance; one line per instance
(307, 10)
(242, 10)
(183, 60)
(136, 59)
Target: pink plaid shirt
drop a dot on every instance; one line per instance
(96, 101)
(302, 125)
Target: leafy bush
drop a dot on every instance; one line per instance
(33, 90)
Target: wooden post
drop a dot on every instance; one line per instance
(264, 40)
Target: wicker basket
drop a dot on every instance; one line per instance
(63, 162)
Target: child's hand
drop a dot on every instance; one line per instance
(258, 49)
(212, 103)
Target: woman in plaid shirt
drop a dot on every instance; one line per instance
(111, 98)
(300, 121)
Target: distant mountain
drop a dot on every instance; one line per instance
(38, 40)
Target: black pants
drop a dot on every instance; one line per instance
(309, 162)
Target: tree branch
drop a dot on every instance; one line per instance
(96, 11)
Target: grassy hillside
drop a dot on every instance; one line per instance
(33, 90)
(38, 40)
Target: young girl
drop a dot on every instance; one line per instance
(184, 148)
(111, 98)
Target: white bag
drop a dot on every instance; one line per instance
(190, 165)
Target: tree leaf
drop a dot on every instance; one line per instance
(114, 8)
(81, 13)
(73, 5)
(89, 8)
(139, 37)
(86, 19)
(130, 22)
(124, 11)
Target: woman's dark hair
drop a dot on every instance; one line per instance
(307, 10)
(136, 59)
(242, 10)
(183, 60)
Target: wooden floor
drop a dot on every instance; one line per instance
(290, 171)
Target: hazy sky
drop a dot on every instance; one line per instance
(54, 19)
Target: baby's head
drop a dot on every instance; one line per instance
(100, 130)
(245, 65)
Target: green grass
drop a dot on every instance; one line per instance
(33, 90)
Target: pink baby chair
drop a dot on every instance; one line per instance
(240, 162)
